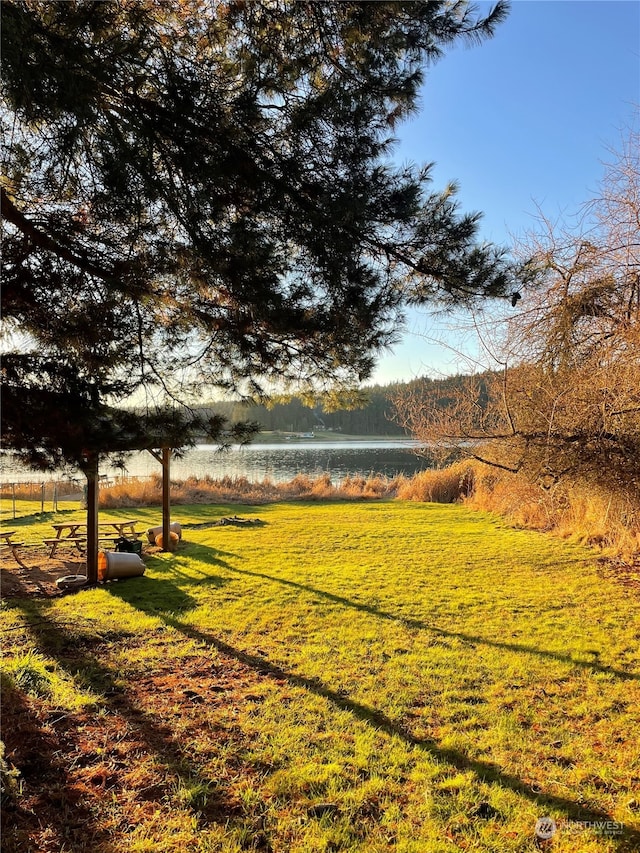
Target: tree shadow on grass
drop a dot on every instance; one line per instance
(472, 639)
(484, 770)
(58, 740)
(172, 568)
(156, 596)
(28, 520)
(43, 795)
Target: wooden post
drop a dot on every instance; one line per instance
(166, 498)
(164, 458)
(91, 473)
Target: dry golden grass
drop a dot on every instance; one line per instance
(34, 491)
(139, 492)
(446, 485)
(577, 511)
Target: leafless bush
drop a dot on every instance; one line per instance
(558, 396)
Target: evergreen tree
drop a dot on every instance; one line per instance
(199, 195)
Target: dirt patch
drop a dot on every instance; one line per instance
(625, 573)
(42, 572)
(234, 520)
(40, 576)
(89, 779)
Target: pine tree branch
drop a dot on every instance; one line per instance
(44, 241)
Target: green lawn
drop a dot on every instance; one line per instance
(343, 677)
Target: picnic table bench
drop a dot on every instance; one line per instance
(56, 542)
(7, 541)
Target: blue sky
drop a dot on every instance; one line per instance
(520, 121)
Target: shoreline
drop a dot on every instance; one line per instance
(282, 437)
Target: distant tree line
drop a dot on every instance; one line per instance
(375, 417)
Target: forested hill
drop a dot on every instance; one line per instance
(375, 418)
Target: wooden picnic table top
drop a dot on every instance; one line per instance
(117, 523)
(119, 526)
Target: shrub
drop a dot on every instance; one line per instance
(577, 510)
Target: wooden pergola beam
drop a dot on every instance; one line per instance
(164, 458)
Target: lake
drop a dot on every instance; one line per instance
(280, 462)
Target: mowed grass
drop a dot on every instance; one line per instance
(346, 677)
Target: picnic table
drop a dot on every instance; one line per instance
(6, 537)
(122, 528)
(75, 533)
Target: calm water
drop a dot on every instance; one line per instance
(279, 462)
